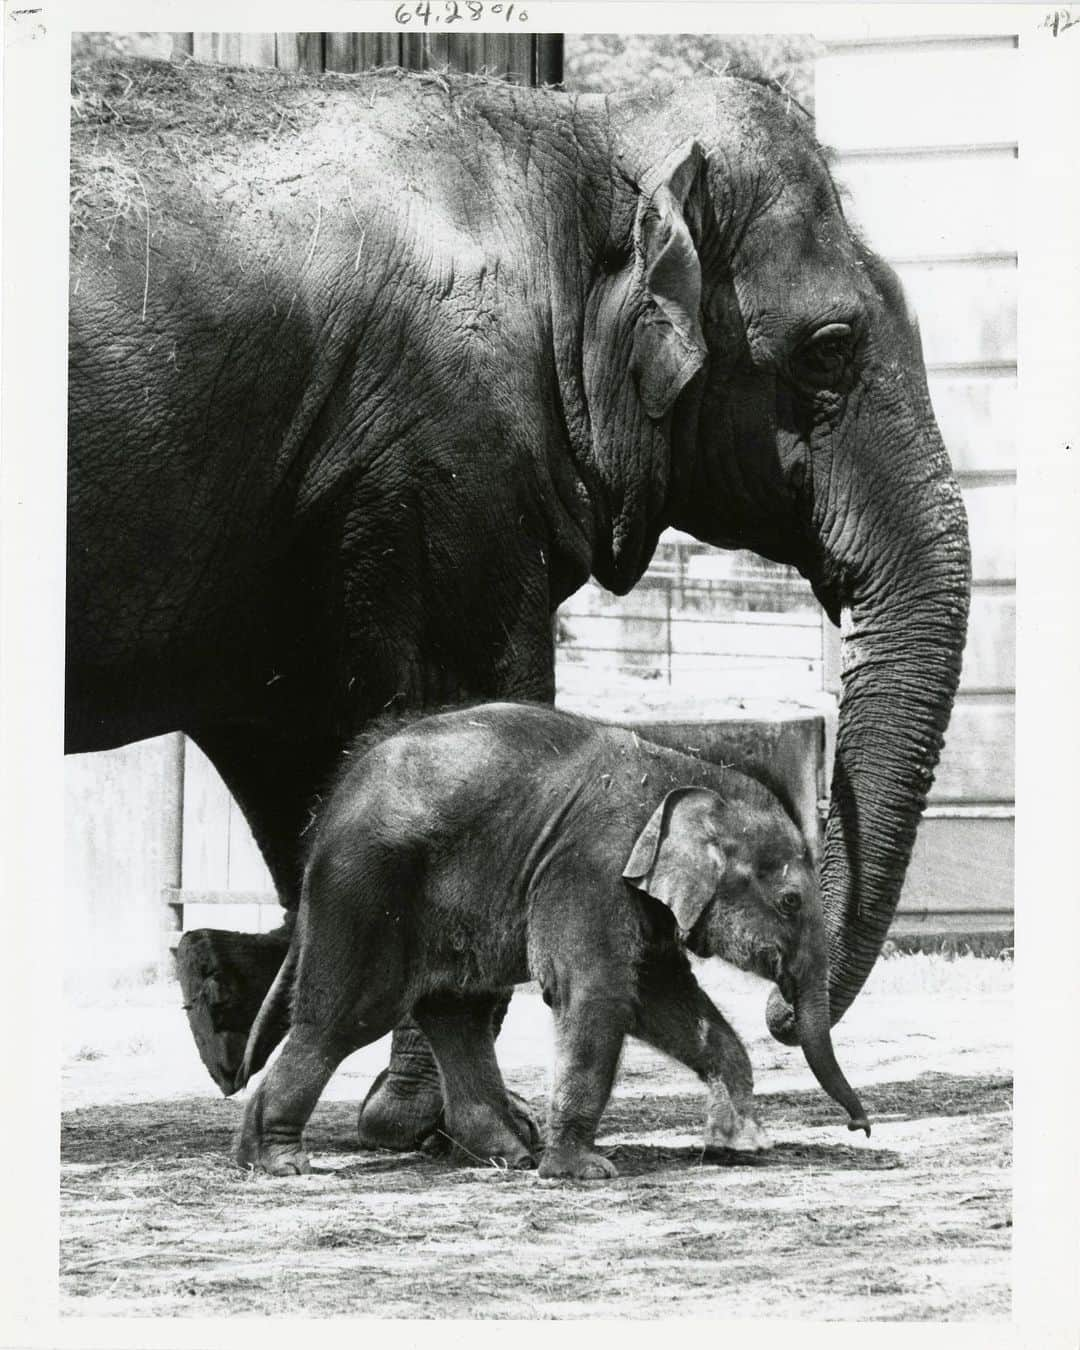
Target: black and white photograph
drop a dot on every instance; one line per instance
(537, 787)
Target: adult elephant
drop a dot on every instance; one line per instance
(369, 373)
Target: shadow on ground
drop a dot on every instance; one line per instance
(190, 1127)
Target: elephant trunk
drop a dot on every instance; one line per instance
(903, 640)
(812, 1024)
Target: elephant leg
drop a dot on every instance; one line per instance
(479, 1120)
(675, 1015)
(225, 975)
(271, 1135)
(591, 1022)
(404, 1106)
(348, 992)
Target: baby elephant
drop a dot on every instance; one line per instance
(472, 850)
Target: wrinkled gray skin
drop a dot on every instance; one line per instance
(504, 842)
(369, 373)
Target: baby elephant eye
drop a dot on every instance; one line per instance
(790, 902)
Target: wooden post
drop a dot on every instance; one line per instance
(300, 51)
(238, 49)
(549, 58)
(172, 834)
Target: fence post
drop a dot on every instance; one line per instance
(172, 852)
(667, 630)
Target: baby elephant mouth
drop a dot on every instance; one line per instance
(787, 987)
(770, 966)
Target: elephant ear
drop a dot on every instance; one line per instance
(676, 858)
(669, 346)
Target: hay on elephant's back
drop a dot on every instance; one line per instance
(134, 120)
(231, 132)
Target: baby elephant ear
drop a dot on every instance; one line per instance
(676, 859)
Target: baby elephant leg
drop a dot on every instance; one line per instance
(479, 1120)
(274, 1119)
(591, 1022)
(676, 1016)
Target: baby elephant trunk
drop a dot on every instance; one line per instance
(812, 1023)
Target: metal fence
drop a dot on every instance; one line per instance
(700, 618)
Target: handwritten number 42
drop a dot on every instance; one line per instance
(455, 11)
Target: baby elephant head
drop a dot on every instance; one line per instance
(737, 876)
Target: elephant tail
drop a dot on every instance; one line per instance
(272, 1020)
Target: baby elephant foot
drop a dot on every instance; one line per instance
(581, 1164)
(282, 1156)
(276, 1160)
(739, 1134)
(483, 1134)
(283, 1161)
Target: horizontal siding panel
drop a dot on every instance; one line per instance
(692, 637)
(919, 206)
(991, 512)
(613, 632)
(941, 923)
(704, 677)
(930, 97)
(240, 918)
(751, 601)
(960, 865)
(219, 853)
(734, 678)
(247, 871)
(967, 312)
(205, 864)
(183, 895)
(978, 763)
(990, 655)
(918, 43)
(591, 601)
(978, 421)
(121, 811)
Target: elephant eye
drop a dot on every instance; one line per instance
(822, 358)
(790, 902)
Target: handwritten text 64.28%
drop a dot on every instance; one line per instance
(456, 11)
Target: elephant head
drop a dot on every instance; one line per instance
(753, 376)
(738, 878)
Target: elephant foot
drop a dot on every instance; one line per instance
(399, 1113)
(579, 1164)
(224, 978)
(483, 1134)
(736, 1133)
(279, 1155)
(276, 1160)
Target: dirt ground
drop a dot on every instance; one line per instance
(913, 1223)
